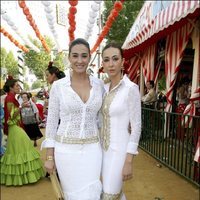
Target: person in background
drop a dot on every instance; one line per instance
(53, 73)
(30, 118)
(21, 163)
(3, 96)
(150, 98)
(72, 137)
(182, 96)
(1, 127)
(121, 108)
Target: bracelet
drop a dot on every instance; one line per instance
(50, 158)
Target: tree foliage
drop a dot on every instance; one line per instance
(38, 62)
(123, 23)
(9, 62)
(36, 84)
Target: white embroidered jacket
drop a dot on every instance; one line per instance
(121, 107)
(78, 120)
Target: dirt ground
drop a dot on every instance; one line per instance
(149, 183)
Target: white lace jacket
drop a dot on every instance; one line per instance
(78, 120)
(121, 107)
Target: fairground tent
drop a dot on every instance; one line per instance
(175, 23)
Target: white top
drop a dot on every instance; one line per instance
(78, 120)
(150, 97)
(121, 107)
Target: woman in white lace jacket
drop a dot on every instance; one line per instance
(121, 108)
(73, 146)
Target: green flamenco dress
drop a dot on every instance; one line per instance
(21, 163)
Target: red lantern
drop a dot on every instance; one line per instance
(111, 18)
(72, 23)
(10, 37)
(22, 4)
(16, 43)
(6, 33)
(106, 28)
(108, 24)
(118, 6)
(37, 33)
(72, 29)
(114, 13)
(73, 10)
(26, 10)
(29, 17)
(73, 3)
(71, 17)
(32, 23)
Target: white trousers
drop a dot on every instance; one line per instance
(113, 162)
(79, 168)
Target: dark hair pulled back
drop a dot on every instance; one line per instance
(54, 70)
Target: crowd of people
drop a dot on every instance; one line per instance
(85, 143)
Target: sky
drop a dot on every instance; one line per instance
(36, 8)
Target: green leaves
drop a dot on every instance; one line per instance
(9, 62)
(38, 62)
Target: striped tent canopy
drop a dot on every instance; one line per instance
(157, 19)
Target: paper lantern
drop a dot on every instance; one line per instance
(95, 7)
(73, 10)
(114, 13)
(48, 9)
(98, 2)
(5, 17)
(111, 18)
(10, 37)
(46, 3)
(5, 33)
(108, 24)
(14, 28)
(118, 6)
(93, 14)
(26, 11)
(22, 4)
(10, 23)
(71, 29)
(29, 17)
(91, 20)
(90, 25)
(73, 3)
(71, 17)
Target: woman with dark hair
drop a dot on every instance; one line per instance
(73, 144)
(121, 108)
(53, 73)
(21, 163)
(30, 118)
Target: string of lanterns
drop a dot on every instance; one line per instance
(13, 40)
(118, 6)
(14, 27)
(92, 18)
(71, 18)
(51, 21)
(29, 17)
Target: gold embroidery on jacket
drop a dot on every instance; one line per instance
(105, 130)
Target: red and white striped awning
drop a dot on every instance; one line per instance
(158, 27)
